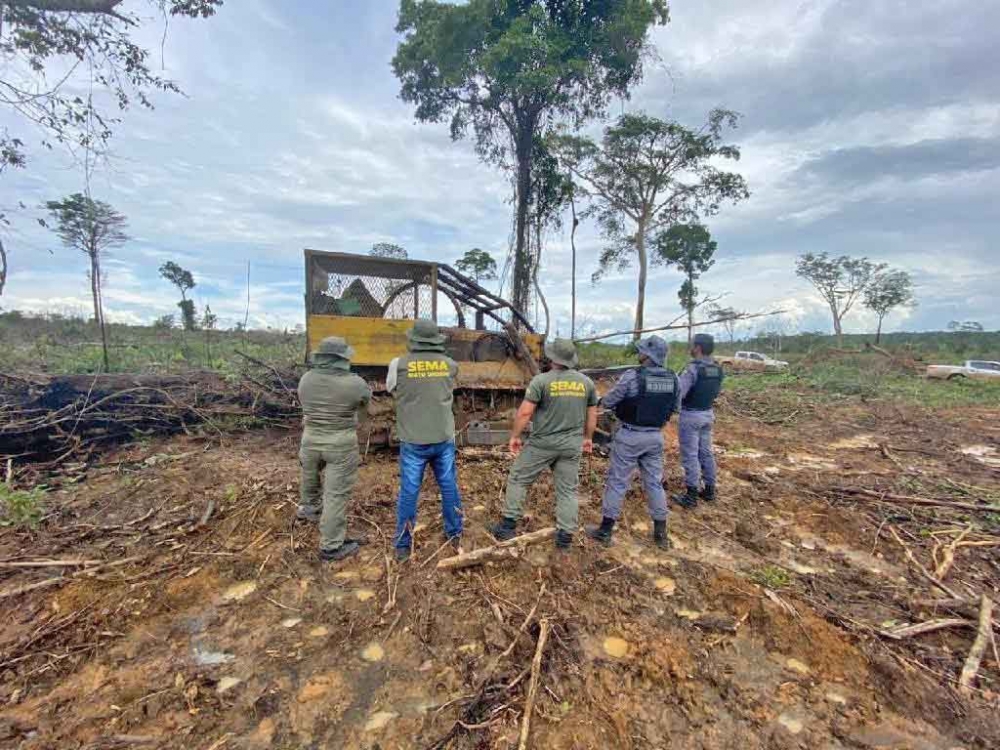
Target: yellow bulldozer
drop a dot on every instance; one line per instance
(372, 302)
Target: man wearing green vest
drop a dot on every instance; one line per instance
(331, 397)
(562, 407)
(423, 382)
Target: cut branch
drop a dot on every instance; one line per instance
(510, 549)
(536, 669)
(983, 636)
(674, 327)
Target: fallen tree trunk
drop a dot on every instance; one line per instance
(512, 548)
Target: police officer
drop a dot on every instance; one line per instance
(423, 382)
(700, 384)
(643, 400)
(331, 397)
(561, 405)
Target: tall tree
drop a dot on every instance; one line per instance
(648, 174)
(551, 190)
(691, 248)
(388, 250)
(51, 49)
(93, 227)
(889, 290)
(478, 264)
(508, 67)
(184, 281)
(841, 281)
(48, 45)
(729, 317)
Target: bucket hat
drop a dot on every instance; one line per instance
(425, 332)
(562, 352)
(333, 347)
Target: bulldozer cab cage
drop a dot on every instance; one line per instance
(361, 286)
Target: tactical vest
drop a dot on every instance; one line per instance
(424, 384)
(706, 387)
(655, 402)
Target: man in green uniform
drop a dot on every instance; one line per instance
(423, 382)
(562, 407)
(331, 397)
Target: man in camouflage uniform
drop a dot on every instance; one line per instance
(562, 407)
(700, 385)
(423, 382)
(331, 397)
(643, 400)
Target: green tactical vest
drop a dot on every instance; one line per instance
(424, 384)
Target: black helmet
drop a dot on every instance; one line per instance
(705, 341)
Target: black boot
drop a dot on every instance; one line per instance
(688, 499)
(708, 493)
(603, 532)
(348, 548)
(563, 540)
(660, 538)
(506, 529)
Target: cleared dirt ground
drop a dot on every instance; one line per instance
(210, 622)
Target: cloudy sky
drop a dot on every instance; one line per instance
(869, 128)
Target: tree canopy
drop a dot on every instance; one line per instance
(388, 250)
(841, 281)
(478, 264)
(179, 277)
(506, 68)
(46, 44)
(648, 174)
(889, 290)
(691, 248)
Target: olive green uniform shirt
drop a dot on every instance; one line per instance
(562, 398)
(331, 397)
(425, 381)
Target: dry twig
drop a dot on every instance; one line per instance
(536, 669)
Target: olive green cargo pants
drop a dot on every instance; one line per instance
(565, 466)
(339, 468)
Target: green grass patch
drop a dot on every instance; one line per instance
(20, 507)
(771, 576)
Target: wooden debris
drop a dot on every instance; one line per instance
(887, 497)
(536, 668)
(49, 563)
(920, 628)
(983, 636)
(916, 563)
(512, 548)
(948, 556)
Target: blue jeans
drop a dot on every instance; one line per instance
(413, 460)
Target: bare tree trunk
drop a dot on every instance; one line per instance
(538, 263)
(836, 326)
(572, 293)
(640, 301)
(878, 332)
(3, 267)
(95, 276)
(690, 311)
(521, 287)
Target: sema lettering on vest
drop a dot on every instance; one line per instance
(428, 369)
(570, 388)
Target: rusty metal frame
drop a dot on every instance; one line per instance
(459, 288)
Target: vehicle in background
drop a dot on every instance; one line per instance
(973, 368)
(752, 361)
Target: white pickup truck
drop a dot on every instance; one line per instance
(973, 368)
(753, 361)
